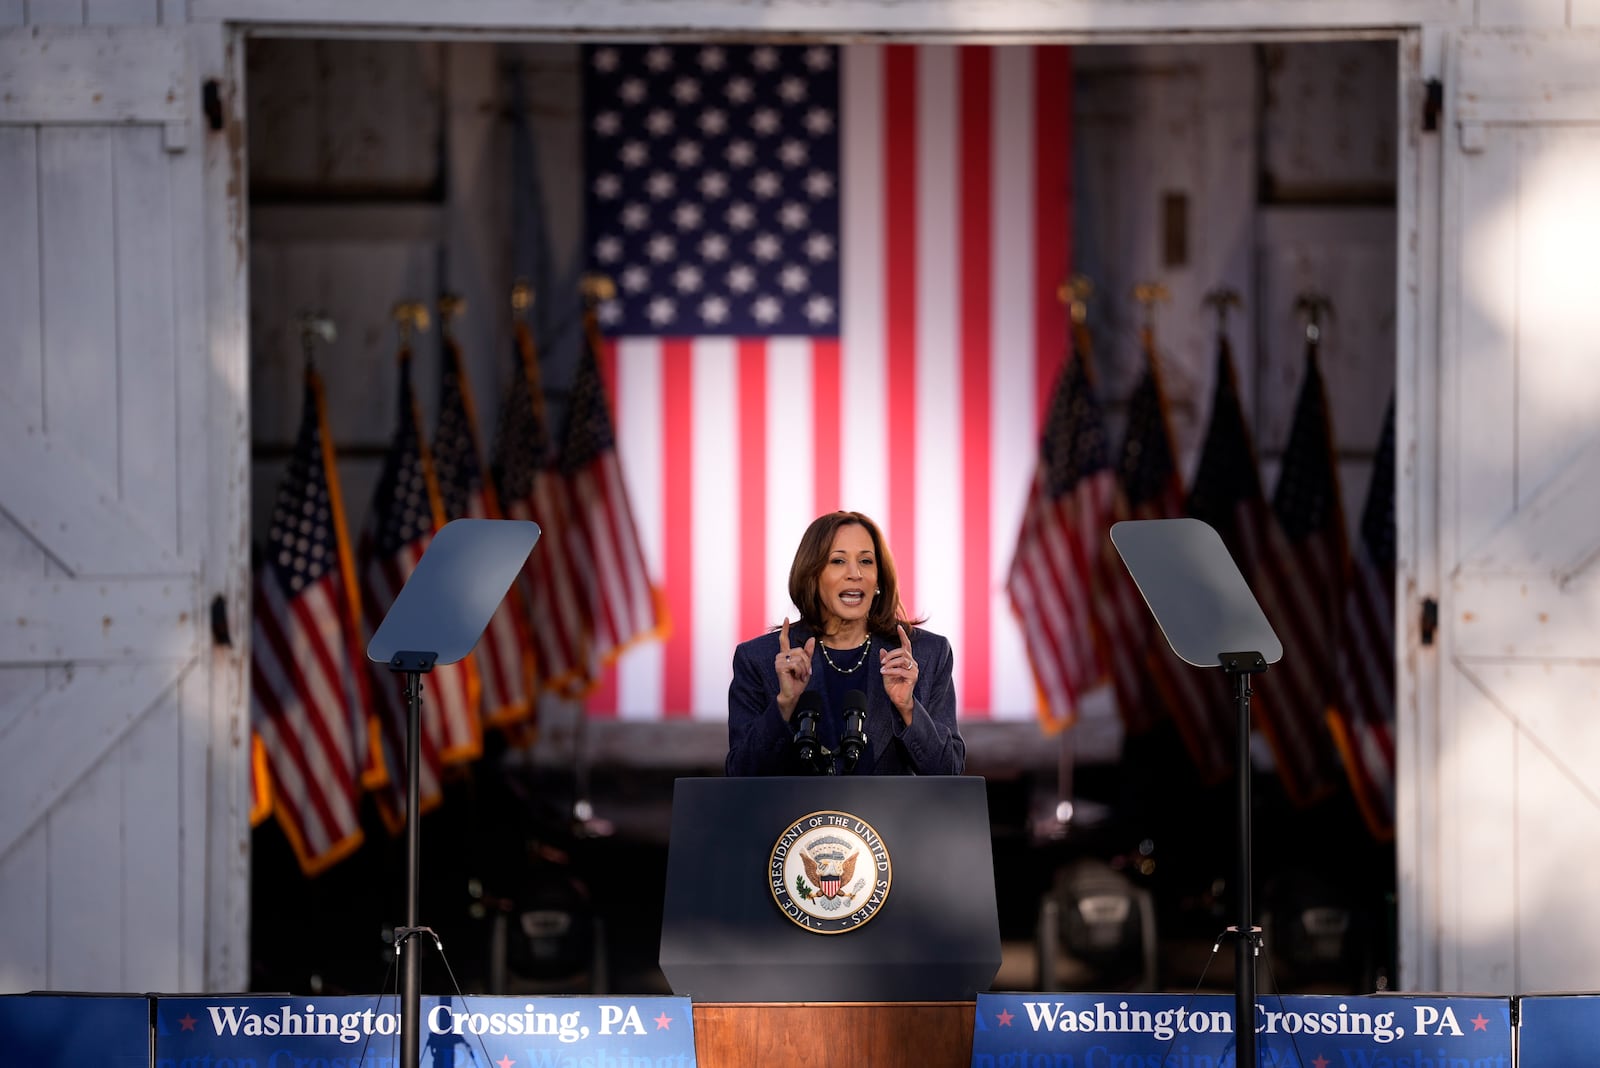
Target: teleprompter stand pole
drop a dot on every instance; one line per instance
(1239, 667)
(440, 612)
(414, 665)
(1202, 603)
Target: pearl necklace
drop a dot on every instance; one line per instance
(848, 671)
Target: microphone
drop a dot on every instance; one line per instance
(854, 739)
(807, 710)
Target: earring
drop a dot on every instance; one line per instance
(877, 591)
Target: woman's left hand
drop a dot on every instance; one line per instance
(899, 674)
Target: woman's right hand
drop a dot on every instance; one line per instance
(794, 670)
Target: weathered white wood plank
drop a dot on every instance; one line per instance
(1480, 832)
(219, 880)
(68, 732)
(146, 342)
(1539, 76)
(197, 453)
(1555, 535)
(1558, 389)
(55, 12)
(1554, 895)
(20, 689)
(1483, 344)
(98, 619)
(21, 354)
(122, 12)
(214, 810)
(964, 17)
(85, 916)
(76, 191)
(88, 530)
(24, 883)
(99, 76)
(1524, 616)
(156, 930)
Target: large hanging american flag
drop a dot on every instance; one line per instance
(406, 511)
(1363, 717)
(503, 653)
(837, 273)
(308, 700)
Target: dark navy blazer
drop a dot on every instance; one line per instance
(761, 743)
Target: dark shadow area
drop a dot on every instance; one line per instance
(527, 900)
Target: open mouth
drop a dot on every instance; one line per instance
(853, 598)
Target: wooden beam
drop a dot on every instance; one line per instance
(101, 76)
(56, 620)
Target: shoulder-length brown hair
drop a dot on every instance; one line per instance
(805, 576)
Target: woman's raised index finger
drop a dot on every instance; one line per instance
(905, 639)
(783, 635)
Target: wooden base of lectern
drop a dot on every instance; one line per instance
(897, 1034)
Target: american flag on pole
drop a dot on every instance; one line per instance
(1148, 487)
(532, 487)
(1226, 493)
(838, 272)
(504, 654)
(1301, 575)
(406, 511)
(1052, 573)
(1362, 718)
(622, 604)
(308, 699)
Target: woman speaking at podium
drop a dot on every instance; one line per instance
(854, 687)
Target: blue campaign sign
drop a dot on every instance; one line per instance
(58, 1030)
(1557, 1030)
(457, 1032)
(1196, 1031)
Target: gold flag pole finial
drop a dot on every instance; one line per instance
(1149, 294)
(1075, 293)
(598, 288)
(1223, 300)
(315, 327)
(452, 306)
(410, 316)
(521, 297)
(1313, 304)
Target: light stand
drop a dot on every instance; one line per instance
(437, 618)
(1204, 607)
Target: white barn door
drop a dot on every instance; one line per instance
(1515, 804)
(123, 840)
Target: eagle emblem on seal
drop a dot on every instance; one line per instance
(828, 871)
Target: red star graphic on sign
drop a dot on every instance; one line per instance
(1480, 1022)
(1005, 1018)
(187, 1022)
(1320, 1062)
(504, 1061)
(663, 1022)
